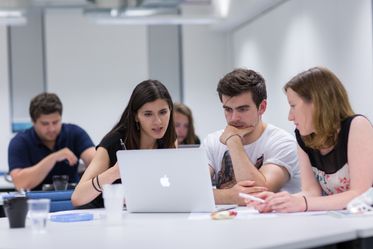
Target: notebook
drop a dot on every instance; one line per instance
(166, 180)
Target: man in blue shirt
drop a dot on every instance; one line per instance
(49, 147)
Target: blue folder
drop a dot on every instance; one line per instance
(52, 195)
(60, 200)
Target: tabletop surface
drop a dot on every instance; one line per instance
(173, 230)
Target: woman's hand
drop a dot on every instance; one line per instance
(281, 202)
(284, 202)
(261, 207)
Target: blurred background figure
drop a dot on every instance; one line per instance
(183, 119)
(49, 148)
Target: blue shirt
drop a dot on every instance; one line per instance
(26, 149)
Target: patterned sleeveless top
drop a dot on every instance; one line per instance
(331, 170)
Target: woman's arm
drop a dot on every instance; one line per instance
(84, 191)
(360, 163)
(286, 202)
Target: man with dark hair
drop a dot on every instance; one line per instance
(249, 155)
(48, 148)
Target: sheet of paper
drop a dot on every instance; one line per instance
(245, 213)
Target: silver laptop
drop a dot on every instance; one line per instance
(166, 180)
(182, 146)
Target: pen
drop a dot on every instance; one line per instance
(122, 144)
(250, 197)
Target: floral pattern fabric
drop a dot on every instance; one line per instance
(335, 183)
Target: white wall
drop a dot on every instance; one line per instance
(205, 60)
(300, 34)
(93, 68)
(5, 129)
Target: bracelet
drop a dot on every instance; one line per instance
(305, 201)
(94, 186)
(226, 140)
(98, 183)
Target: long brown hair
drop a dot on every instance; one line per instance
(191, 137)
(321, 87)
(145, 92)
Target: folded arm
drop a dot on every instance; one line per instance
(271, 176)
(29, 177)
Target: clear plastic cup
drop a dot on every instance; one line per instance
(38, 214)
(113, 200)
(60, 182)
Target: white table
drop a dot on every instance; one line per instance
(177, 231)
(363, 225)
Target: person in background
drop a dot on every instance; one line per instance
(249, 155)
(184, 125)
(48, 148)
(335, 146)
(144, 124)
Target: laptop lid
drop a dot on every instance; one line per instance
(166, 180)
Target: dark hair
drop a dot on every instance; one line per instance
(321, 87)
(243, 80)
(145, 92)
(191, 137)
(44, 104)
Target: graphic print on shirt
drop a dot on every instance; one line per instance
(226, 177)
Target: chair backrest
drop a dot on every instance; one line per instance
(60, 200)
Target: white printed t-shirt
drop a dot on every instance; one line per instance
(274, 146)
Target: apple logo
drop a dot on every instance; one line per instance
(165, 182)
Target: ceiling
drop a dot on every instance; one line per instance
(244, 11)
(236, 12)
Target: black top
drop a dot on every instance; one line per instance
(197, 140)
(112, 144)
(337, 157)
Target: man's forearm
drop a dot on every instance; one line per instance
(30, 177)
(223, 196)
(244, 169)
